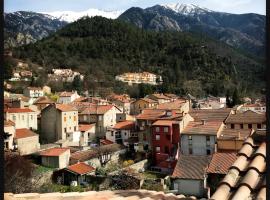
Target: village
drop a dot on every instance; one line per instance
(182, 145)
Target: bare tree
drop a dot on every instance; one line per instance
(104, 153)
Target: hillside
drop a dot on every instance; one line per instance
(27, 27)
(102, 48)
(242, 31)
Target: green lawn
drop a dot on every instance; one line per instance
(43, 169)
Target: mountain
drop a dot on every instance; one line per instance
(102, 48)
(27, 27)
(245, 32)
(71, 16)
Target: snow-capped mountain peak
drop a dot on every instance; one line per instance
(186, 9)
(71, 16)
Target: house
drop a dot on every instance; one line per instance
(199, 138)
(33, 92)
(246, 120)
(46, 89)
(246, 177)
(189, 175)
(87, 134)
(67, 97)
(212, 103)
(26, 74)
(259, 107)
(27, 141)
(43, 102)
(58, 121)
(218, 168)
(55, 157)
(210, 114)
(123, 133)
(160, 98)
(165, 143)
(231, 140)
(181, 105)
(9, 131)
(103, 116)
(77, 172)
(22, 117)
(138, 78)
(143, 103)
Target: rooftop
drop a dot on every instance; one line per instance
(164, 123)
(125, 125)
(177, 104)
(43, 100)
(191, 167)
(54, 151)
(81, 168)
(198, 128)
(19, 110)
(97, 109)
(66, 94)
(65, 107)
(246, 117)
(85, 127)
(246, 178)
(151, 114)
(24, 133)
(221, 162)
(210, 114)
(228, 133)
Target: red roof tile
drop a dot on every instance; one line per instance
(54, 151)
(23, 133)
(197, 128)
(210, 114)
(221, 162)
(19, 110)
(246, 117)
(97, 109)
(177, 104)
(125, 125)
(81, 168)
(65, 107)
(228, 133)
(150, 114)
(164, 123)
(85, 127)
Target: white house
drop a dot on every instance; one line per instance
(33, 92)
(67, 97)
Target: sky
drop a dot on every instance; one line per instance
(230, 6)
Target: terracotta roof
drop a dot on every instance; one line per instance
(246, 176)
(221, 162)
(177, 104)
(105, 142)
(85, 127)
(9, 123)
(150, 114)
(228, 133)
(246, 117)
(191, 167)
(97, 109)
(43, 100)
(81, 106)
(197, 128)
(148, 100)
(65, 107)
(19, 110)
(210, 114)
(81, 168)
(54, 151)
(23, 133)
(164, 123)
(125, 125)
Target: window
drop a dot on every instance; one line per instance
(190, 140)
(65, 119)
(166, 129)
(100, 117)
(157, 129)
(241, 126)
(65, 130)
(207, 140)
(32, 117)
(249, 126)
(22, 117)
(74, 118)
(14, 118)
(112, 133)
(157, 149)
(259, 126)
(208, 152)
(69, 117)
(84, 117)
(166, 149)
(157, 137)
(69, 128)
(232, 126)
(75, 128)
(190, 150)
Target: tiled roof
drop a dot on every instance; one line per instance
(159, 96)
(210, 114)
(105, 142)
(221, 162)
(246, 117)
(191, 167)
(81, 168)
(197, 128)
(23, 133)
(66, 94)
(54, 151)
(177, 104)
(43, 100)
(125, 125)
(246, 176)
(228, 133)
(9, 123)
(164, 123)
(19, 110)
(85, 127)
(81, 106)
(150, 114)
(65, 107)
(148, 100)
(100, 109)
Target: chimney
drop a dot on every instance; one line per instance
(203, 121)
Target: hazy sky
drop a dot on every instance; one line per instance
(231, 6)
